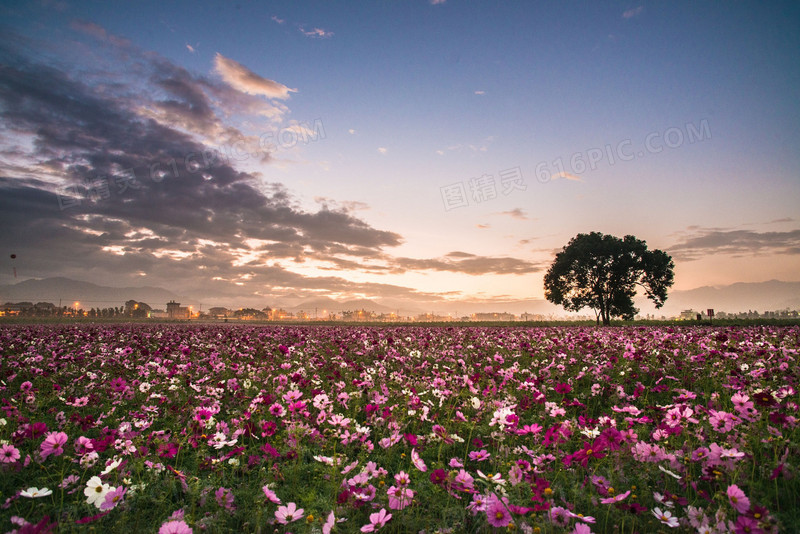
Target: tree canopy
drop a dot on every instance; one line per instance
(602, 272)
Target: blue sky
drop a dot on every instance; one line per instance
(675, 122)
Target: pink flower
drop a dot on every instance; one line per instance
(399, 497)
(326, 528)
(559, 516)
(9, 454)
(53, 444)
(479, 456)
(581, 528)
(417, 461)
(113, 498)
(271, 495)
(286, 514)
(175, 527)
(497, 514)
(377, 521)
(617, 498)
(402, 479)
(738, 499)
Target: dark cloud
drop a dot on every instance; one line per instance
(462, 262)
(698, 243)
(114, 179)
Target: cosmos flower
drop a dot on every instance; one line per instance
(738, 499)
(9, 454)
(377, 521)
(175, 527)
(96, 491)
(53, 444)
(666, 517)
(34, 493)
(289, 513)
(417, 461)
(497, 514)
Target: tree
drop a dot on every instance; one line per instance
(602, 272)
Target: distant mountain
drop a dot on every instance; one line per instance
(740, 297)
(333, 306)
(69, 291)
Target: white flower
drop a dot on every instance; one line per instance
(89, 459)
(666, 517)
(110, 467)
(33, 493)
(96, 491)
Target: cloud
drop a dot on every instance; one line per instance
(483, 226)
(190, 48)
(480, 93)
(437, 2)
(118, 181)
(634, 12)
(383, 150)
(277, 19)
(464, 262)
(698, 243)
(566, 176)
(516, 213)
(243, 79)
(106, 191)
(99, 33)
(317, 33)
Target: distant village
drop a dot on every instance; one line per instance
(175, 312)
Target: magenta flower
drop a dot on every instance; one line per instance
(497, 514)
(53, 444)
(563, 388)
(439, 476)
(9, 454)
(286, 514)
(175, 527)
(738, 499)
(224, 498)
(168, 450)
(376, 521)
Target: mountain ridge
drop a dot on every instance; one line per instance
(770, 295)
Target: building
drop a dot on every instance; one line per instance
(176, 311)
(502, 316)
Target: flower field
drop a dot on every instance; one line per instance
(202, 428)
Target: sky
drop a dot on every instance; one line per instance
(438, 153)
